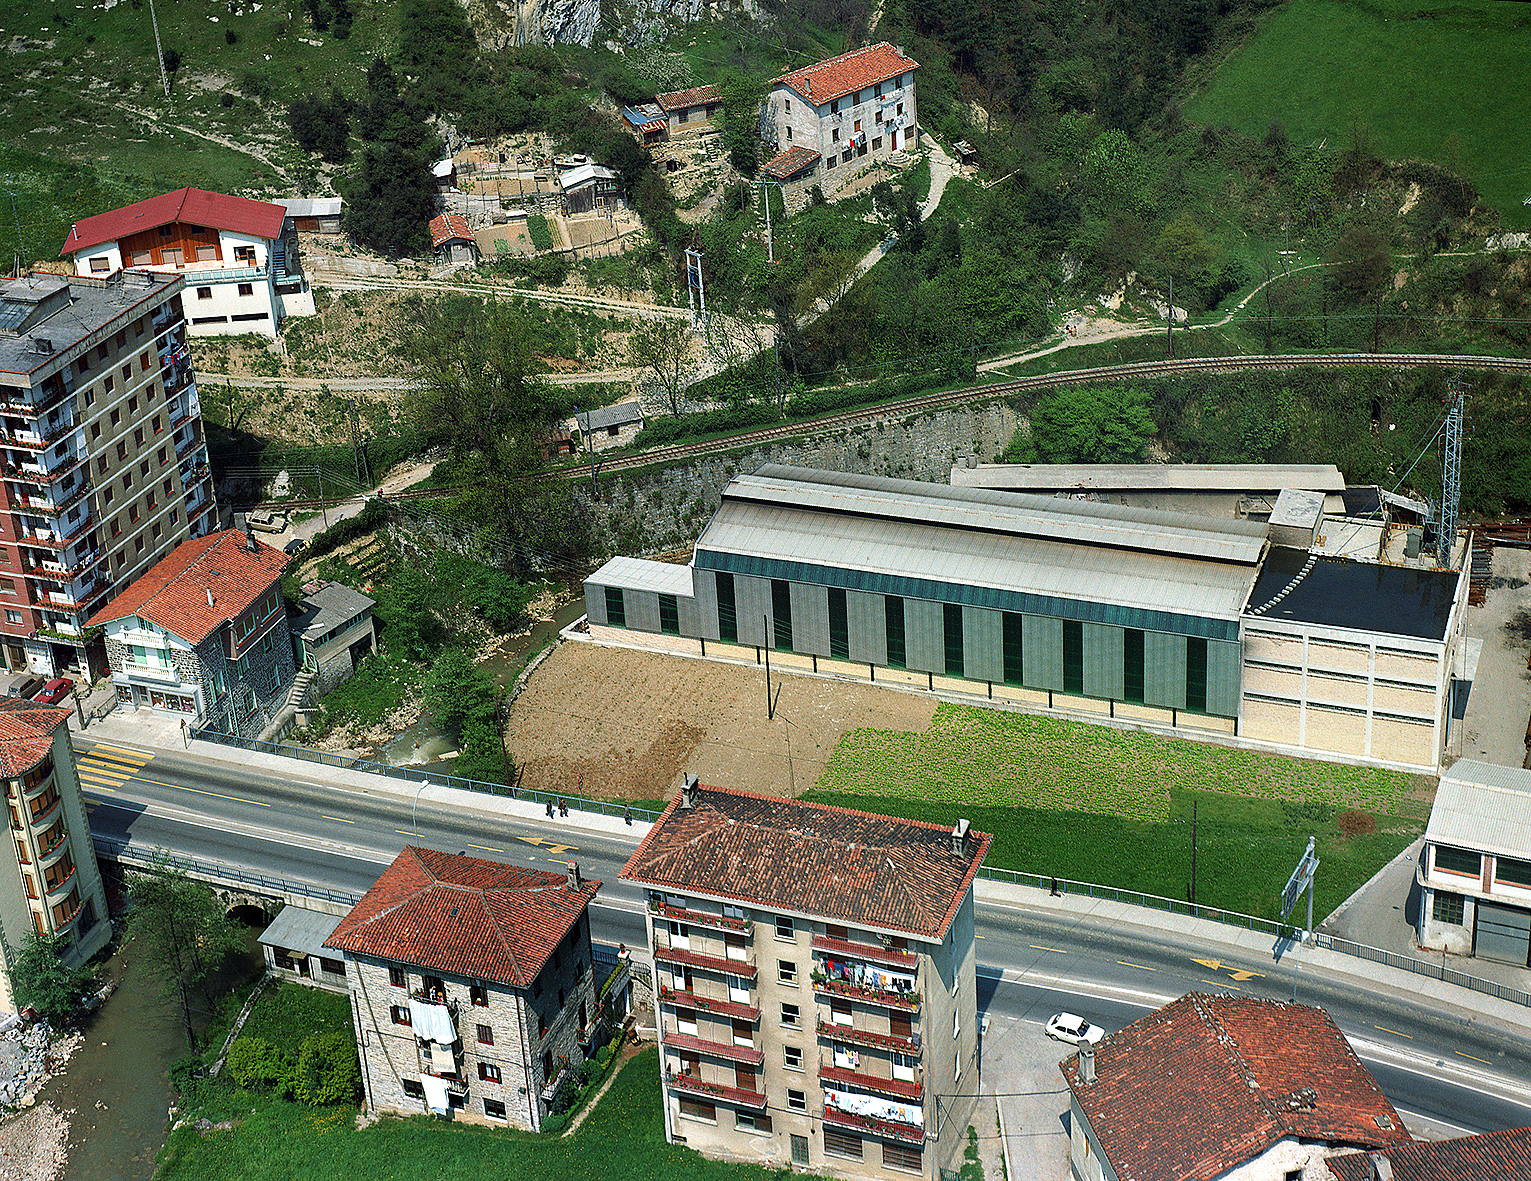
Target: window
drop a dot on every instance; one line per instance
(413, 1088)
(757, 1121)
(685, 1021)
(893, 615)
(669, 615)
(13, 617)
(903, 1067)
(122, 449)
(542, 1025)
(840, 1012)
(204, 293)
(156, 425)
(781, 614)
(479, 995)
(488, 1071)
(400, 1014)
(1447, 908)
(791, 1015)
(95, 430)
(728, 617)
(834, 136)
(951, 628)
(797, 1101)
(485, 1035)
(164, 458)
(839, 625)
(792, 1057)
(830, 161)
(101, 466)
(784, 928)
(100, 264)
(789, 135)
(333, 967)
(680, 936)
(116, 415)
(877, 140)
(138, 436)
(143, 363)
(1516, 873)
(396, 977)
(616, 611)
(494, 1108)
(247, 289)
(900, 108)
(1460, 861)
(907, 1156)
(1073, 656)
(900, 1026)
(698, 1108)
(1196, 674)
(133, 403)
(834, 109)
(1132, 665)
(172, 256)
(207, 253)
(786, 973)
(127, 375)
(838, 1143)
(858, 126)
(116, 527)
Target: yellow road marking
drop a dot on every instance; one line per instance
(1475, 1058)
(201, 791)
(486, 848)
(404, 832)
(1039, 947)
(1139, 967)
(1394, 1032)
(105, 773)
(550, 846)
(342, 819)
(1240, 974)
(976, 935)
(126, 750)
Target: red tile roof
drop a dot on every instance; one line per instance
(789, 163)
(851, 867)
(173, 593)
(260, 219)
(26, 733)
(463, 915)
(697, 96)
(1492, 1156)
(448, 227)
(1209, 1082)
(828, 80)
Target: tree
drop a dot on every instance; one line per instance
(466, 703)
(1360, 260)
(328, 1071)
(661, 350)
(742, 96)
(391, 200)
(1101, 424)
(322, 125)
(43, 979)
(183, 929)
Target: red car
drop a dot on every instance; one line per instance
(54, 691)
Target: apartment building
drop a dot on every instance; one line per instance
(240, 257)
(50, 883)
(204, 635)
(472, 986)
(105, 467)
(814, 972)
(852, 111)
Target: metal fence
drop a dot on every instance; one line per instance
(124, 854)
(435, 778)
(1437, 971)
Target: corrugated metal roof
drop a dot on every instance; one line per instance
(640, 574)
(1485, 807)
(310, 206)
(619, 415)
(332, 605)
(1297, 508)
(300, 930)
(1183, 477)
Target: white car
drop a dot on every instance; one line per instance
(1076, 1031)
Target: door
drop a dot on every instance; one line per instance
(800, 1150)
(1503, 933)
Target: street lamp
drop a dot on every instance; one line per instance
(414, 819)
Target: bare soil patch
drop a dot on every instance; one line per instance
(619, 724)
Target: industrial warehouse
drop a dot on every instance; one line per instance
(1311, 631)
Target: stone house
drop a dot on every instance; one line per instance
(472, 986)
(203, 634)
(610, 426)
(452, 239)
(688, 112)
(1223, 1087)
(333, 633)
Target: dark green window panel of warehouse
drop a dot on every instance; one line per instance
(781, 614)
(951, 627)
(893, 616)
(616, 610)
(728, 611)
(1014, 649)
(669, 615)
(839, 625)
(1073, 656)
(1132, 665)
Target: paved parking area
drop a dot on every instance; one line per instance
(1020, 1068)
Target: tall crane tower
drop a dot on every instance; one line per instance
(1451, 473)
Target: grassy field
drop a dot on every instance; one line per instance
(1421, 80)
(288, 1013)
(1115, 807)
(622, 1140)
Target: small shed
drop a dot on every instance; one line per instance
(646, 122)
(445, 172)
(313, 215)
(294, 949)
(690, 110)
(333, 633)
(610, 426)
(589, 188)
(452, 239)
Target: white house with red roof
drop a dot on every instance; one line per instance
(239, 257)
(473, 991)
(203, 635)
(1222, 1087)
(852, 111)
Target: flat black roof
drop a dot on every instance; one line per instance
(1396, 600)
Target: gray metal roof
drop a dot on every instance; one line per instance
(310, 206)
(300, 930)
(618, 415)
(666, 578)
(1485, 807)
(331, 605)
(1189, 565)
(1166, 477)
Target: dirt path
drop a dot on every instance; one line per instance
(610, 722)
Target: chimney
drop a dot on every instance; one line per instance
(574, 878)
(250, 543)
(1382, 1167)
(1087, 1064)
(210, 602)
(690, 791)
(960, 839)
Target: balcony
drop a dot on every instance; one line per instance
(839, 1076)
(686, 999)
(908, 1002)
(887, 1128)
(151, 672)
(865, 1037)
(708, 963)
(737, 1096)
(33, 474)
(51, 539)
(702, 918)
(869, 953)
(58, 572)
(37, 409)
(698, 1045)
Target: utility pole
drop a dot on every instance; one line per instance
(1193, 852)
(765, 627)
(1169, 331)
(696, 291)
(765, 193)
(159, 53)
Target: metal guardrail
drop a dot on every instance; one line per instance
(1377, 955)
(416, 775)
(124, 854)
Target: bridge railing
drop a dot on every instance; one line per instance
(417, 775)
(123, 853)
(1377, 955)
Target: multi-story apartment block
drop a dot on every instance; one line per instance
(239, 257)
(204, 635)
(852, 111)
(814, 970)
(50, 884)
(105, 468)
(472, 987)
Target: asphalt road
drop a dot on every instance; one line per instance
(1445, 1070)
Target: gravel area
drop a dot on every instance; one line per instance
(33, 1144)
(34, 1139)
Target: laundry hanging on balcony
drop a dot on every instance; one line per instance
(435, 1093)
(431, 1022)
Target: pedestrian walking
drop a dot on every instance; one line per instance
(550, 809)
(563, 808)
(627, 815)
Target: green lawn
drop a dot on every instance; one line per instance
(287, 1013)
(1114, 807)
(622, 1140)
(1409, 74)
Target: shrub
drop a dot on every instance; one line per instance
(566, 1096)
(328, 1071)
(371, 518)
(255, 1062)
(1355, 823)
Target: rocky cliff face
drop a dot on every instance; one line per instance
(500, 23)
